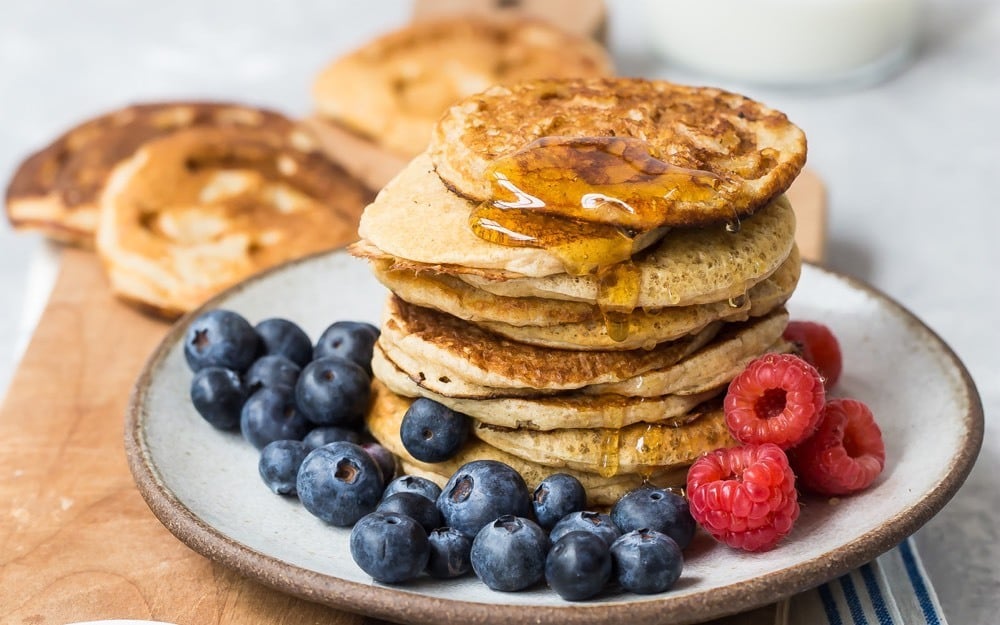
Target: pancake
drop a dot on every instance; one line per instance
(710, 367)
(577, 325)
(395, 87)
(418, 225)
(450, 295)
(196, 211)
(564, 410)
(649, 328)
(714, 364)
(416, 219)
(442, 348)
(56, 191)
(688, 267)
(636, 448)
(752, 152)
(386, 414)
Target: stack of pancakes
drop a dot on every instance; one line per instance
(559, 371)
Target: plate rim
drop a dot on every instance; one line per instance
(399, 604)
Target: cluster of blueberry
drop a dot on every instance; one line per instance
(286, 396)
(486, 520)
(303, 406)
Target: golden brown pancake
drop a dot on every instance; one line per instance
(386, 414)
(196, 211)
(540, 321)
(689, 266)
(415, 218)
(707, 368)
(637, 448)
(57, 190)
(394, 88)
(441, 348)
(416, 224)
(572, 409)
(752, 152)
(649, 328)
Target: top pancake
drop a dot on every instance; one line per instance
(57, 189)
(396, 87)
(755, 150)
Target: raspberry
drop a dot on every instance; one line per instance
(777, 399)
(818, 346)
(744, 496)
(845, 454)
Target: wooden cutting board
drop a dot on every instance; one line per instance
(77, 542)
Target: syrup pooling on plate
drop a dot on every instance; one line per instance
(587, 200)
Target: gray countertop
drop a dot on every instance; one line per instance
(912, 166)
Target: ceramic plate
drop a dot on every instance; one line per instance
(203, 484)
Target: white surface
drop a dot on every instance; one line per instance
(898, 369)
(911, 166)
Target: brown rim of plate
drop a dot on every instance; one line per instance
(405, 606)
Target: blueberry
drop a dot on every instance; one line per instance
(509, 553)
(333, 391)
(417, 507)
(413, 484)
(594, 522)
(271, 415)
(353, 340)
(339, 483)
(317, 437)
(279, 465)
(481, 491)
(383, 458)
(655, 509)
(578, 566)
(218, 396)
(646, 561)
(555, 497)
(281, 337)
(450, 553)
(390, 547)
(432, 432)
(272, 371)
(220, 338)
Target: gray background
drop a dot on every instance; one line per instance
(913, 167)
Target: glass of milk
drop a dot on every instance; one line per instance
(787, 42)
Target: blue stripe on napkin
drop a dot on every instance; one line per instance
(918, 582)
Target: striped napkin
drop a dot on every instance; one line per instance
(891, 590)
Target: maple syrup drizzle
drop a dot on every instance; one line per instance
(613, 180)
(647, 445)
(586, 200)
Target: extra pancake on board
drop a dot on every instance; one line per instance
(196, 211)
(394, 88)
(56, 191)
